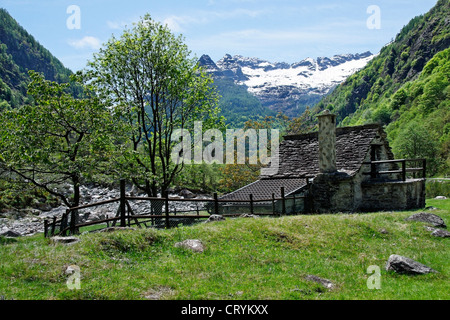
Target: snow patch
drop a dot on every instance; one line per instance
(302, 77)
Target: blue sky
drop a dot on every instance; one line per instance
(273, 30)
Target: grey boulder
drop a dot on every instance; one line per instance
(324, 282)
(187, 194)
(428, 218)
(400, 264)
(441, 233)
(191, 244)
(64, 240)
(247, 215)
(11, 234)
(215, 217)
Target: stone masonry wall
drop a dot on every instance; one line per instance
(333, 192)
(393, 195)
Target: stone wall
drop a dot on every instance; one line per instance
(393, 195)
(337, 193)
(292, 206)
(333, 192)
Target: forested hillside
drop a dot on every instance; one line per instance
(406, 88)
(19, 53)
(422, 111)
(237, 105)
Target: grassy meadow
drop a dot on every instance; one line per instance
(244, 259)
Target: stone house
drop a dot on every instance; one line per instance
(349, 169)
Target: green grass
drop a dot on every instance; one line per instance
(438, 187)
(265, 258)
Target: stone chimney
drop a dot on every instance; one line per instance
(327, 142)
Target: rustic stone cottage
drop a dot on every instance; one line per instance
(337, 170)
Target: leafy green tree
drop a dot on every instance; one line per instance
(236, 175)
(307, 122)
(415, 142)
(204, 178)
(425, 103)
(435, 90)
(149, 78)
(57, 140)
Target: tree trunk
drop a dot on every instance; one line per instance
(76, 191)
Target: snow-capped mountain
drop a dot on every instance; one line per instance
(287, 87)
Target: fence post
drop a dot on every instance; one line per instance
(273, 203)
(216, 204)
(52, 233)
(72, 222)
(45, 228)
(424, 168)
(64, 223)
(166, 203)
(152, 212)
(404, 170)
(251, 203)
(122, 204)
(294, 209)
(283, 202)
(128, 215)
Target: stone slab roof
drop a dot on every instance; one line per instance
(299, 153)
(299, 159)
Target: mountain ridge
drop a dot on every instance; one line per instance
(405, 88)
(397, 63)
(285, 87)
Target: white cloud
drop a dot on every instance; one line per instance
(114, 25)
(87, 42)
(174, 23)
(269, 38)
(288, 45)
(119, 25)
(179, 23)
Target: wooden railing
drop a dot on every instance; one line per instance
(374, 172)
(68, 224)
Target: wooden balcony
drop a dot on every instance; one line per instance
(374, 173)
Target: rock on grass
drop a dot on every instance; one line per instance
(324, 282)
(191, 244)
(428, 218)
(406, 265)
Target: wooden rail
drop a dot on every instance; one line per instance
(373, 171)
(68, 223)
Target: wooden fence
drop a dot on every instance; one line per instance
(403, 170)
(162, 217)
